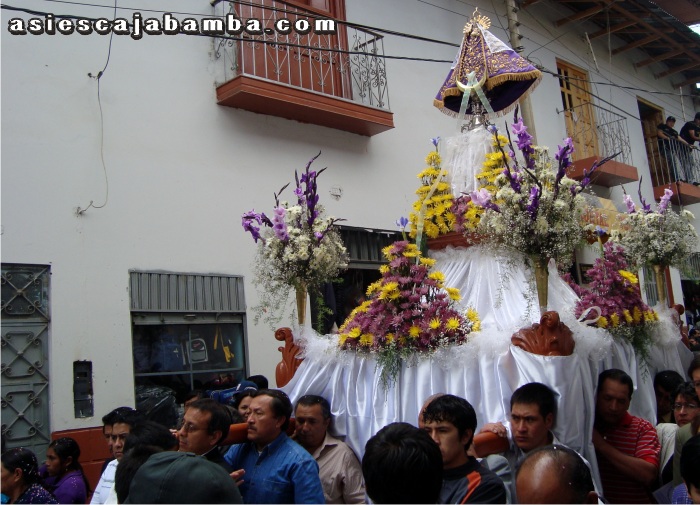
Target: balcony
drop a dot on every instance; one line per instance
(676, 166)
(335, 80)
(598, 133)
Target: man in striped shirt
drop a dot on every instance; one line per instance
(627, 447)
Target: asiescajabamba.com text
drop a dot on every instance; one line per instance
(168, 25)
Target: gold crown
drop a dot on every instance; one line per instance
(477, 19)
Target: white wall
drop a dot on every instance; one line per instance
(182, 169)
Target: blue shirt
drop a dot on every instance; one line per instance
(283, 473)
(680, 495)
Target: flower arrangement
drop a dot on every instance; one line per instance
(615, 291)
(656, 238)
(431, 212)
(536, 208)
(297, 248)
(441, 212)
(408, 311)
(467, 213)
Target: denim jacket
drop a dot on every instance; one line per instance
(283, 473)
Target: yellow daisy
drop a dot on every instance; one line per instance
(473, 316)
(364, 307)
(437, 276)
(629, 276)
(375, 285)
(433, 158)
(414, 331)
(454, 293)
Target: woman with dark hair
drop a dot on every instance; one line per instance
(19, 478)
(241, 402)
(62, 474)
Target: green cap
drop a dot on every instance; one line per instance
(182, 477)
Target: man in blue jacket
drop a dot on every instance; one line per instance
(275, 468)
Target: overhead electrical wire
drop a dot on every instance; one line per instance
(340, 51)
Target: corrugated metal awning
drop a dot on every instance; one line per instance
(177, 292)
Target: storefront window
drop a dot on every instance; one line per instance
(188, 331)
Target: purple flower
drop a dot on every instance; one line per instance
(249, 220)
(524, 143)
(482, 198)
(563, 155)
(600, 231)
(492, 129)
(524, 138)
(513, 179)
(279, 225)
(402, 222)
(254, 230)
(665, 200)
(645, 206)
(435, 141)
(565, 151)
(631, 208)
(307, 190)
(533, 202)
(599, 163)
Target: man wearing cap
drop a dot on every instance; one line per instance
(177, 477)
(670, 147)
(275, 468)
(204, 425)
(339, 468)
(228, 396)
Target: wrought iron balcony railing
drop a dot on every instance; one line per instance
(598, 132)
(348, 64)
(674, 165)
(671, 161)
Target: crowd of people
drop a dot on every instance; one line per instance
(290, 456)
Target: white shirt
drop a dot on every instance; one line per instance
(104, 491)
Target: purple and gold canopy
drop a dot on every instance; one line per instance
(504, 76)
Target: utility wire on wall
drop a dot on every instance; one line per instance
(80, 211)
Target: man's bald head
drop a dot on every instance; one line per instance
(554, 474)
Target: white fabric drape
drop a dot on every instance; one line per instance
(487, 369)
(463, 156)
